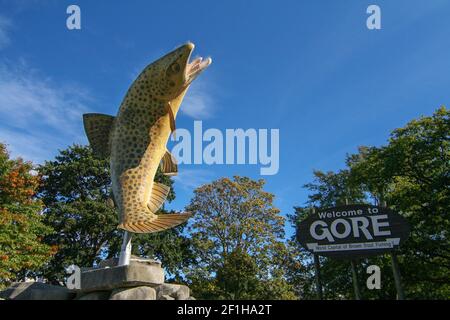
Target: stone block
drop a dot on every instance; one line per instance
(121, 277)
(108, 263)
(137, 293)
(97, 295)
(36, 291)
(176, 291)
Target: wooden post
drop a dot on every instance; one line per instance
(397, 278)
(318, 278)
(355, 281)
(396, 269)
(317, 270)
(356, 288)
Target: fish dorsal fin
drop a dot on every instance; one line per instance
(159, 194)
(171, 118)
(169, 165)
(98, 127)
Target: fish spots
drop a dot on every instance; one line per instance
(140, 135)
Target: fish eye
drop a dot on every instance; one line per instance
(175, 67)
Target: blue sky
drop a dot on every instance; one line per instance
(311, 69)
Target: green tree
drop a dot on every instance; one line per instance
(412, 175)
(326, 190)
(329, 189)
(237, 237)
(21, 226)
(336, 274)
(237, 276)
(299, 268)
(76, 191)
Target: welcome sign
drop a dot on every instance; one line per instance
(352, 230)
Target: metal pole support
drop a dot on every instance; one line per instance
(125, 250)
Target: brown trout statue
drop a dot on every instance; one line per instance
(135, 140)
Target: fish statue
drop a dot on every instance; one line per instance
(135, 140)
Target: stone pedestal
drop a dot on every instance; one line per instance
(142, 279)
(110, 278)
(36, 291)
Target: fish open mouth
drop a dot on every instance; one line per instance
(194, 68)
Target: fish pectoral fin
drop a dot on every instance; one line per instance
(171, 119)
(159, 194)
(169, 166)
(98, 127)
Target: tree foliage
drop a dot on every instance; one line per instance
(21, 226)
(412, 175)
(237, 238)
(76, 191)
(415, 180)
(236, 247)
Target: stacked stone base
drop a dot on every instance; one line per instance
(165, 291)
(142, 279)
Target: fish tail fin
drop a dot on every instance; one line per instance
(144, 219)
(157, 223)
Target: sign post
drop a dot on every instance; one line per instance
(318, 279)
(354, 274)
(397, 278)
(396, 271)
(352, 232)
(355, 281)
(317, 271)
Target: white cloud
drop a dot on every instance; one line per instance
(38, 116)
(198, 103)
(5, 25)
(34, 147)
(190, 179)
